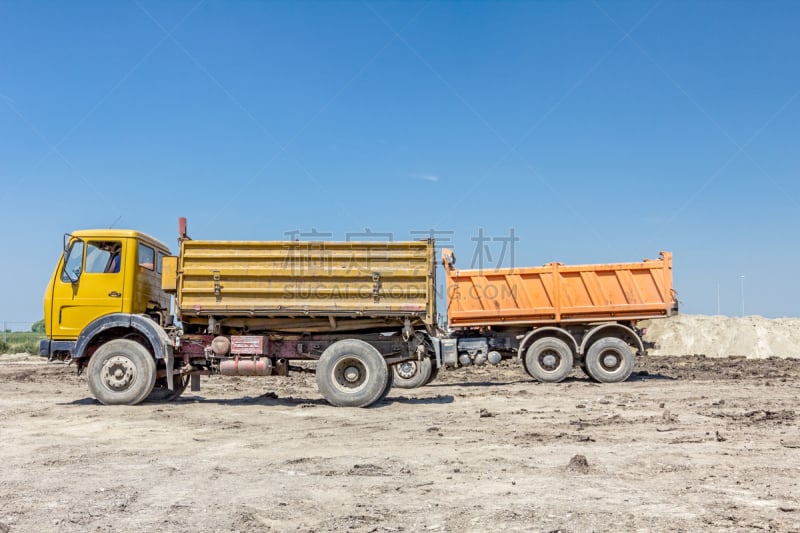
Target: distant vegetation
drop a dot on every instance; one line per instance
(23, 341)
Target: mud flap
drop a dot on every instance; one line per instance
(437, 348)
(170, 360)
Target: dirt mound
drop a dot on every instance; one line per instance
(719, 336)
(578, 464)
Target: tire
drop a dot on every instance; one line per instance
(549, 360)
(609, 360)
(389, 385)
(412, 374)
(352, 373)
(121, 372)
(161, 392)
(434, 373)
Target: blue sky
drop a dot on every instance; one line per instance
(598, 131)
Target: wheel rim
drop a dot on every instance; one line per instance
(118, 373)
(610, 360)
(350, 374)
(549, 360)
(407, 370)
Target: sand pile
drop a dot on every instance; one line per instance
(720, 336)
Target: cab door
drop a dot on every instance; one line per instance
(89, 286)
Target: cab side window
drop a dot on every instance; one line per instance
(147, 257)
(103, 257)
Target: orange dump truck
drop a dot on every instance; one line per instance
(554, 316)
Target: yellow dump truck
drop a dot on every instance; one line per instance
(240, 308)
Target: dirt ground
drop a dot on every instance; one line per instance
(686, 444)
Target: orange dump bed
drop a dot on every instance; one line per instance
(557, 293)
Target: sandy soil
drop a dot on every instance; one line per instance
(687, 444)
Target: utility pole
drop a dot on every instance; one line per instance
(742, 280)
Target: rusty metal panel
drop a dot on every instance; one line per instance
(248, 344)
(557, 293)
(324, 283)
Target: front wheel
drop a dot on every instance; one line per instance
(609, 360)
(121, 372)
(352, 373)
(412, 374)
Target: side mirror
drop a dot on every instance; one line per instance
(72, 277)
(72, 261)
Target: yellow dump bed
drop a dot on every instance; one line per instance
(557, 293)
(305, 286)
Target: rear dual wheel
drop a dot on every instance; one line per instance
(413, 373)
(609, 360)
(549, 360)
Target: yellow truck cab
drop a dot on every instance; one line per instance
(106, 279)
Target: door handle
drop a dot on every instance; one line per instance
(114, 294)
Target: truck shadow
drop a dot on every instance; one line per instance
(647, 376)
(269, 399)
(480, 383)
(245, 400)
(438, 399)
(82, 401)
(635, 376)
